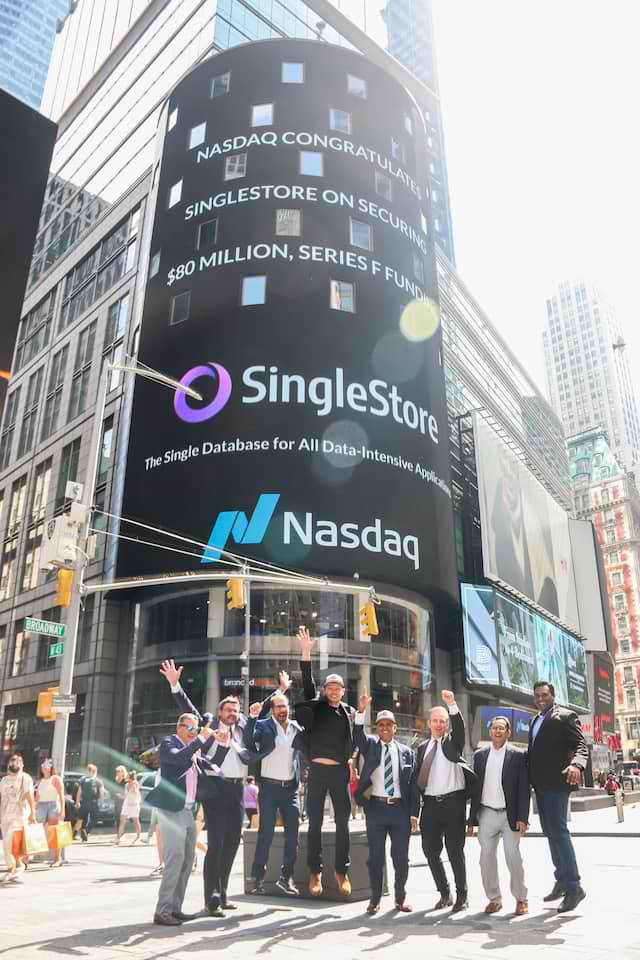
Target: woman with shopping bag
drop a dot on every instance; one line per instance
(130, 807)
(50, 808)
(17, 811)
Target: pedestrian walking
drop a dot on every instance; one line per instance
(17, 809)
(250, 799)
(120, 778)
(385, 791)
(89, 794)
(444, 782)
(50, 804)
(130, 807)
(557, 756)
(501, 811)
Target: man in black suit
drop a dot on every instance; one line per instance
(328, 724)
(557, 757)
(443, 782)
(174, 798)
(501, 809)
(385, 793)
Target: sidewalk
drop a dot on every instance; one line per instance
(599, 823)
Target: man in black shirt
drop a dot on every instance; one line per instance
(328, 724)
(89, 793)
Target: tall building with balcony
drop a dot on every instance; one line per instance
(587, 369)
(27, 34)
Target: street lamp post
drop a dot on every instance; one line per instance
(131, 366)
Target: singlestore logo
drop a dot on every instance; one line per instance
(306, 529)
(326, 394)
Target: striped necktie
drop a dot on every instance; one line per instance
(388, 771)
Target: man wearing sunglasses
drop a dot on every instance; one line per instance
(174, 798)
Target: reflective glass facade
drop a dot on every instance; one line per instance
(27, 32)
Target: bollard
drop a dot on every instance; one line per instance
(620, 805)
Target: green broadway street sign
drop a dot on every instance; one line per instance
(48, 627)
(56, 649)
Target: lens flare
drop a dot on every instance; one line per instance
(420, 320)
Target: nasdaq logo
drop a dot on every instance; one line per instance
(234, 523)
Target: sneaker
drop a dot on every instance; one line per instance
(257, 887)
(157, 872)
(287, 886)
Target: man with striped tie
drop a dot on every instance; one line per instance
(385, 792)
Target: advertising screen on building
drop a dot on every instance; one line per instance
(525, 533)
(480, 648)
(603, 702)
(518, 719)
(515, 644)
(292, 283)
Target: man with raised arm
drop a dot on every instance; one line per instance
(385, 792)
(328, 723)
(220, 789)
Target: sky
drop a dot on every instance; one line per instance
(542, 139)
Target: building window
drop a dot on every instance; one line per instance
(82, 372)
(175, 194)
(619, 602)
(623, 621)
(628, 676)
(113, 350)
(8, 428)
(235, 167)
(397, 150)
(221, 85)
(408, 124)
(85, 628)
(343, 296)
(173, 119)
(106, 452)
(436, 225)
(41, 490)
(357, 86)
(197, 135)
(614, 558)
(34, 332)
(360, 234)
(8, 569)
(54, 393)
(434, 196)
(288, 223)
(605, 496)
(383, 186)
(254, 291)
(180, 308)
(311, 163)
(68, 471)
(31, 566)
(611, 536)
(625, 646)
(154, 265)
(20, 650)
(616, 579)
(339, 120)
(262, 115)
(44, 661)
(207, 234)
(17, 505)
(30, 413)
(418, 268)
(293, 72)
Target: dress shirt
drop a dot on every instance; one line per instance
(492, 792)
(537, 723)
(377, 776)
(233, 766)
(445, 776)
(279, 764)
(191, 776)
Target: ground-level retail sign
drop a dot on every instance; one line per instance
(48, 627)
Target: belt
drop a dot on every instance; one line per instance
(387, 800)
(278, 783)
(443, 796)
(495, 809)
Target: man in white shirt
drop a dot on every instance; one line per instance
(277, 741)
(385, 793)
(501, 808)
(444, 781)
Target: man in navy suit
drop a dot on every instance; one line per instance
(501, 809)
(277, 740)
(385, 792)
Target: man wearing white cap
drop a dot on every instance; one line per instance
(328, 724)
(385, 792)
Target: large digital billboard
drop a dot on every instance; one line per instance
(603, 702)
(525, 533)
(480, 648)
(292, 283)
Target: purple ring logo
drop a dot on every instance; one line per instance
(197, 415)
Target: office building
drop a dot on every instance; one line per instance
(27, 33)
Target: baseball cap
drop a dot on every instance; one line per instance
(334, 678)
(385, 715)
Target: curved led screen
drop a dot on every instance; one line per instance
(292, 284)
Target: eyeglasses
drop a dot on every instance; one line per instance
(189, 727)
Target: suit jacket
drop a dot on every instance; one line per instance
(371, 749)
(175, 760)
(307, 709)
(264, 741)
(559, 742)
(453, 748)
(515, 783)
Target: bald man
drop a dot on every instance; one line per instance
(444, 782)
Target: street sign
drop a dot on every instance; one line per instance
(47, 627)
(64, 703)
(56, 649)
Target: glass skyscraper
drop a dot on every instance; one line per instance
(27, 33)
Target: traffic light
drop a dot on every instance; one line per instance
(235, 594)
(44, 708)
(65, 585)
(368, 619)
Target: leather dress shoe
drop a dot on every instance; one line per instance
(493, 906)
(213, 907)
(344, 884)
(166, 920)
(258, 887)
(373, 908)
(403, 906)
(559, 890)
(460, 904)
(522, 907)
(184, 917)
(571, 900)
(444, 901)
(315, 884)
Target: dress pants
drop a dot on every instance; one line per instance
(274, 798)
(553, 806)
(224, 815)
(178, 832)
(387, 820)
(493, 824)
(445, 820)
(334, 780)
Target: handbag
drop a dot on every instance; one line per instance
(60, 835)
(17, 844)
(35, 838)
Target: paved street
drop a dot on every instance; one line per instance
(101, 905)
